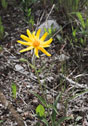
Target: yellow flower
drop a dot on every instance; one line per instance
(34, 42)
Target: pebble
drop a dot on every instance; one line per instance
(62, 57)
(19, 67)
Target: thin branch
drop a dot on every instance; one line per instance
(73, 83)
(50, 12)
(80, 75)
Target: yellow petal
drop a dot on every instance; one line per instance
(27, 49)
(48, 42)
(44, 36)
(44, 51)
(24, 43)
(25, 38)
(38, 33)
(29, 34)
(33, 33)
(45, 46)
(36, 52)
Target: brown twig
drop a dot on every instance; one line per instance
(73, 83)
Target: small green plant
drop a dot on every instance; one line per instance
(1, 121)
(30, 17)
(4, 4)
(50, 31)
(28, 11)
(79, 15)
(14, 90)
(80, 33)
(68, 5)
(83, 24)
(74, 34)
(1, 29)
(40, 111)
(43, 113)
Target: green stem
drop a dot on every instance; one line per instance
(37, 75)
(40, 85)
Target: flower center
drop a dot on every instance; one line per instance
(36, 43)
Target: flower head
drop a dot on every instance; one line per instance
(34, 42)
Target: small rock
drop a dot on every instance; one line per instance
(6, 34)
(62, 57)
(50, 79)
(59, 106)
(12, 57)
(42, 81)
(19, 110)
(35, 101)
(50, 98)
(47, 24)
(28, 86)
(33, 76)
(19, 67)
(26, 73)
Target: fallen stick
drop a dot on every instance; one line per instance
(10, 107)
(73, 83)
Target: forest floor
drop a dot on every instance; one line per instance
(69, 75)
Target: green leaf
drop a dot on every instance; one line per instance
(82, 41)
(1, 29)
(29, 12)
(53, 117)
(39, 70)
(4, 4)
(40, 111)
(14, 91)
(50, 30)
(32, 66)
(23, 60)
(54, 111)
(57, 98)
(73, 32)
(62, 119)
(45, 121)
(1, 121)
(45, 30)
(79, 15)
(40, 98)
